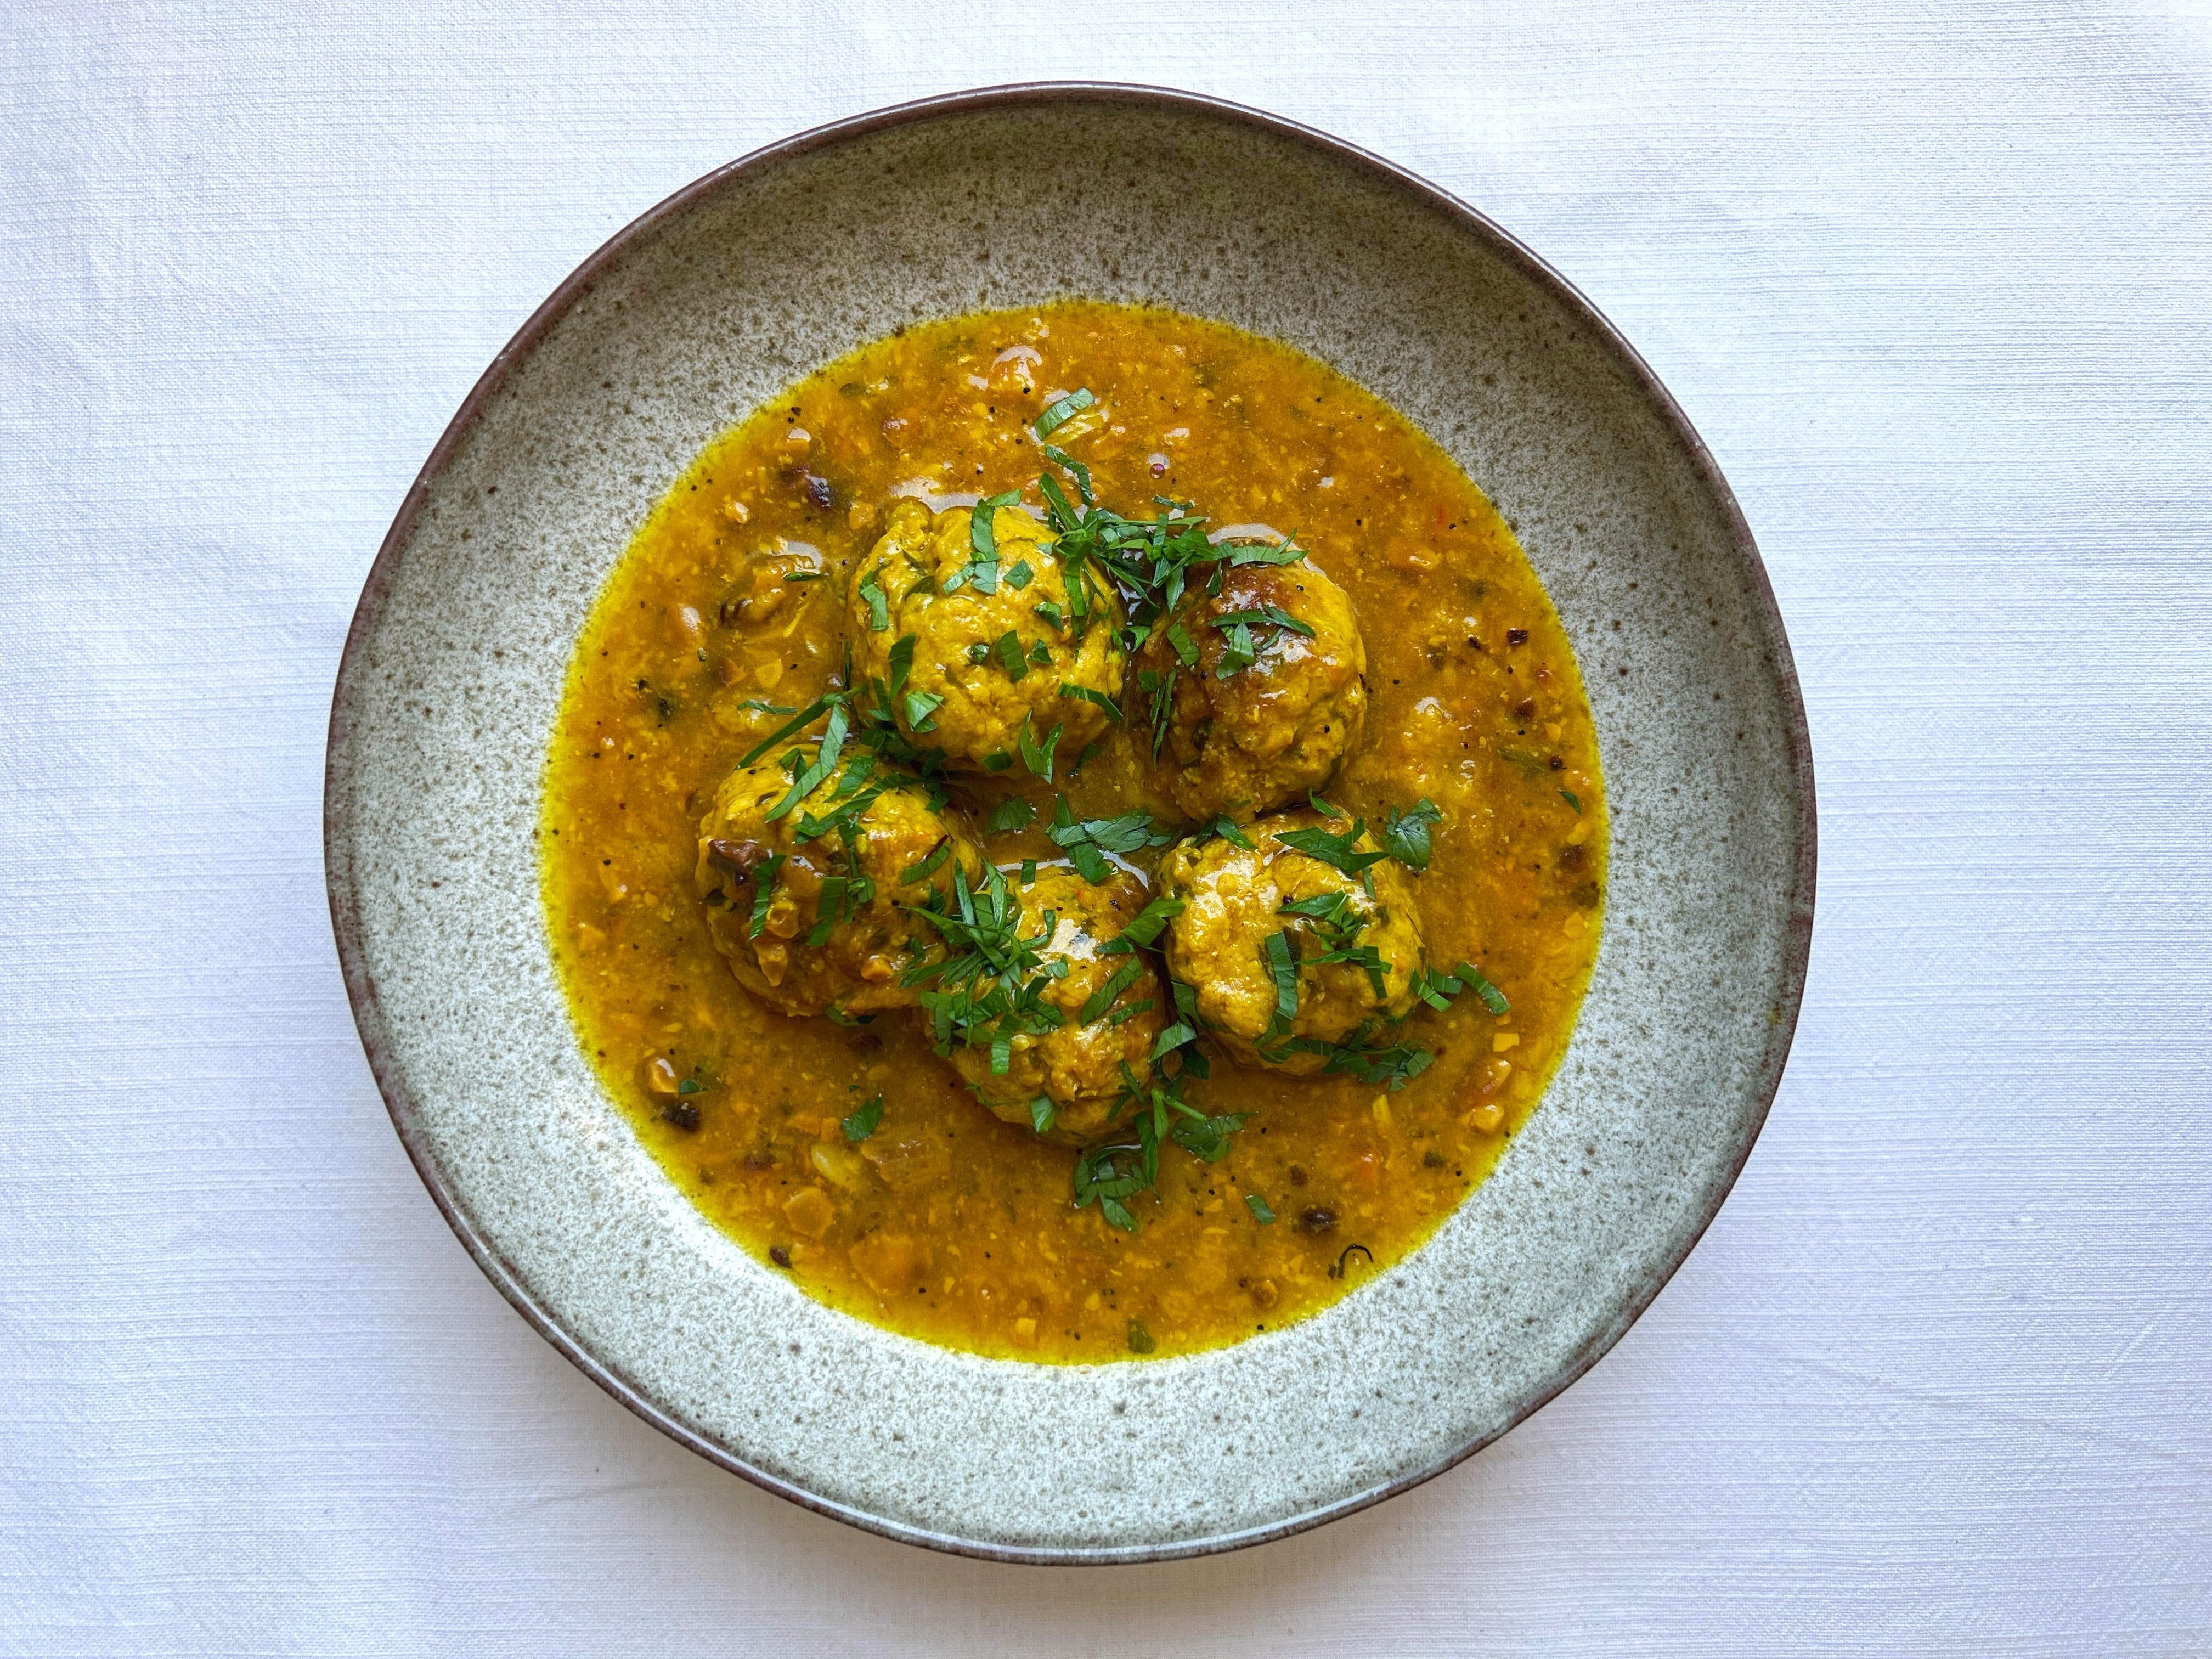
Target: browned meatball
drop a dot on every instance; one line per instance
(808, 919)
(999, 652)
(1236, 900)
(1244, 737)
(1080, 1067)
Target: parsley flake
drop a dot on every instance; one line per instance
(1063, 410)
(862, 1124)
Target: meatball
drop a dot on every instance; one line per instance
(1246, 736)
(1236, 902)
(809, 906)
(998, 644)
(1078, 1065)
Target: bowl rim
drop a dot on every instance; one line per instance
(361, 991)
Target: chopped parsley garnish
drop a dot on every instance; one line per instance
(1111, 1175)
(1339, 852)
(1406, 835)
(1144, 927)
(1243, 648)
(1265, 615)
(862, 1124)
(1087, 842)
(1436, 989)
(1096, 1005)
(1260, 1211)
(1076, 470)
(815, 773)
(991, 988)
(1226, 827)
(928, 866)
(981, 570)
(1283, 968)
(879, 610)
(1035, 755)
(1097, 699)
(1395, 1064)
(1062, 410)
(763, 891)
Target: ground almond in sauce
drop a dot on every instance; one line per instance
(944, 1222)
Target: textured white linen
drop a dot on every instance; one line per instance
(1933, 280)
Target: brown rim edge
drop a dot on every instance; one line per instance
(361, 991)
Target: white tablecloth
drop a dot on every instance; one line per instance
(1933, 279)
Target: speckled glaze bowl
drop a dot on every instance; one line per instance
(708, 306)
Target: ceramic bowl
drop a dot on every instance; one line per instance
(706, 307)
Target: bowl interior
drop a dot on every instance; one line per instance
(708, 308)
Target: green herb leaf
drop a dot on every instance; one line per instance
(928, 866)
(805, 717)
(1240, 652)
(1051, 613)
(1337, 851)
(1144, 927)
(1043, 1113)
(1283, 969)
(1322, 807)
(1171, 1039)
(763, 891)
(918, 709)
(862, 1124)
(1019, 575)
(997, 761)
(983, 570)
(1011, 814)
(879, 610)
(1061, 411)
(802, 575)
(1226, 827)
(1037, 756)
(1183, 647)
(1491, 997)
(1103, 998)
(1406, 835)
(1010, 655)
(1206, 1139)
(690, 1085)
(1097, 699)
(1568, 796)
(1268, 615)
(824, 762)
(1076, 470)
(1260, 1212)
